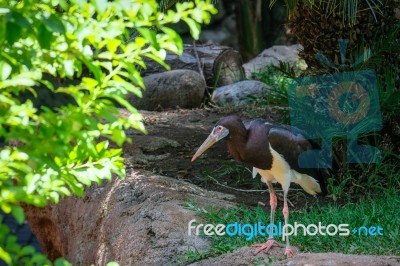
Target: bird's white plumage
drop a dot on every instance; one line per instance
(255, 171)
(282, 173)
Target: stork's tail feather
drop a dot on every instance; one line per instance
(308, 183)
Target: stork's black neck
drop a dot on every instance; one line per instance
(248, 142)
(236, 143)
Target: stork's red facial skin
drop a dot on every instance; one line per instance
(274, 152)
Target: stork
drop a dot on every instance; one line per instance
(273, 151)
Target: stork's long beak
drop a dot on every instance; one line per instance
(213, 138)
(208, 143)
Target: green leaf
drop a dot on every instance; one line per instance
(194, 27)
(4, 10)
(112, 45)
(119, 136)
(128, 86)
(101, 146)
(18, 214)
(6, 207)
(82, 176)
(76, 187)
(54, 196)
(48, 84)
(13, 32)
(44, 37)
(5, 70)
(18, 81)
(150, 36)
(96, 71)
(5, 256)
(27, 250)
(69, 68)
(175, 38)
(19, 19)
(197, 15)
(100, 5)
(19, 156)
(89, 82)
(64, 4)
(78, 67)
(54, 24)
(61, 262)
(3, 29)
(112, 263)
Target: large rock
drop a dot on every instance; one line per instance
(171, 89)
(272, 56)
(137, 221)
(148, 148)
(237, 94)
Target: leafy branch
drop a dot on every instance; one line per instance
(62, 150)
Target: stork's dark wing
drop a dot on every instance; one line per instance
(290, 144)
(286, 140)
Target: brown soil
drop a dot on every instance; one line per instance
(215, 170)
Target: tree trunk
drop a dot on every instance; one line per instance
(249, 24)
(221, 65)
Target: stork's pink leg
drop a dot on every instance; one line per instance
(271, 242)
(288, 251)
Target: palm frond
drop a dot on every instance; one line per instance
(387, 44)
(349, 8)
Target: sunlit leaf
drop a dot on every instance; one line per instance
(112, 263)
(150, 36)
(4, 256)
(18, 214)
(69, 68)
(112, 45)
(5, 70)
(177, 40)
(194, 28)
(100, 5)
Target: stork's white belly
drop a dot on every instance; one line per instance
(282, 173)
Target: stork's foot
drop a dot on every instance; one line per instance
(266, 246)
(289, 252)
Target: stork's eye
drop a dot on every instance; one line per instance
(218, 129)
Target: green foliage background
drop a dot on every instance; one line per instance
(62, 150)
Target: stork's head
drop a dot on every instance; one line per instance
(221, 130)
